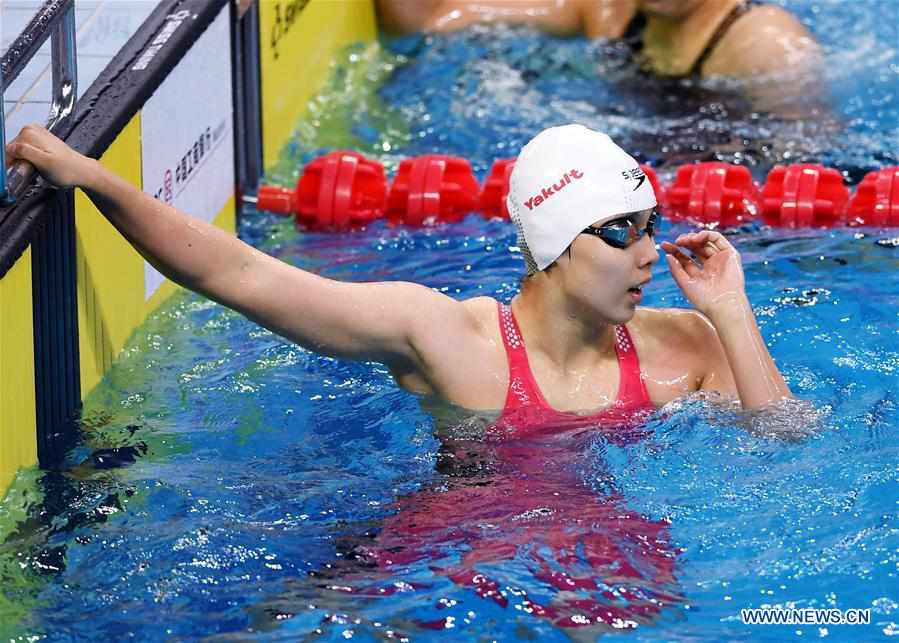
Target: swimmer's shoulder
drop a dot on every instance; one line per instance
(483, 314)
(763, 15)
(402, 17)
(469, 327)
(607, 18)
(743, 52)
(676, 348)
(685, 329)
(459, 349)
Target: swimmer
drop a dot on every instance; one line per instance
(595, 18)
(736, 38)
(747, 40)
(574, 344)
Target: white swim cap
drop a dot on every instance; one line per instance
(565, 179)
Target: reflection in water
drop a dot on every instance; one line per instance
(516, 521)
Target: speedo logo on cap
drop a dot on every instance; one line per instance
(547, 192)
(637, 174)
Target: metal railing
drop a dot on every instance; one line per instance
(55, 20)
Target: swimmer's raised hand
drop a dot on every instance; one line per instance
(713, 277)
(58, 163)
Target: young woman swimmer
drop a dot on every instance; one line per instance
(573, 346)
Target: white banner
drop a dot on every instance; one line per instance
(187, 138)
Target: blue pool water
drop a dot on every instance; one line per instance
(229, 485)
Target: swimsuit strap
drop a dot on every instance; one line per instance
(633, 33)
(523, 390)
(738, 12)
(632, 389)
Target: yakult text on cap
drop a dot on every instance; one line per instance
(547, 192)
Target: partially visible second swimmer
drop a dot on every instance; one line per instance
(747, 40)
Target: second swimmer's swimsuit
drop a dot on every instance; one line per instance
(634, 33)
(526, 411)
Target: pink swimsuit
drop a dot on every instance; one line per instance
(525, 514)
(526, 411)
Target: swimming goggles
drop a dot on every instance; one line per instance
(622, 232)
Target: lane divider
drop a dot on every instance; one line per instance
(343, 189)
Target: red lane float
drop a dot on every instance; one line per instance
(432, 188)
(345, 188)
(876, 200)
(336, 190)
(496, 188)
(661, 195)
(713, 192)
(804, 195)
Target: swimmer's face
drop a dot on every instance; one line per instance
(669, 8)
(599, 276)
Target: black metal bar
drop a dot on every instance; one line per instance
(32, 38)
(44, 218)
(56, 19)
(56, 358)
(248, 112)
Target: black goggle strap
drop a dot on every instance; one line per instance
(652, 222)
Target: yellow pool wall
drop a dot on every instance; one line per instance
(298, 42)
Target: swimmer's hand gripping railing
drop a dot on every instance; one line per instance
(56, 20)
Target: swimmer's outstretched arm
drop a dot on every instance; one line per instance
(371, 321)
(714, 284)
